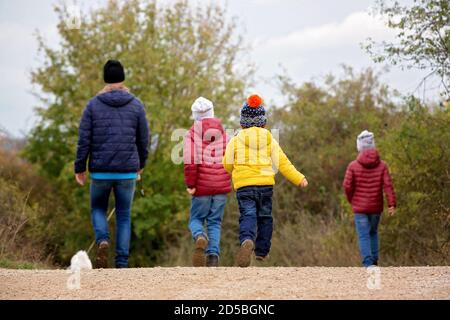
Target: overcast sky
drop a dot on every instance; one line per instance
(308, 38)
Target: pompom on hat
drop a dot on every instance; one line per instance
(254, 101)
(253, 113)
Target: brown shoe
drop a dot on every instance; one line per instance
(198, 257)
(245, 253)
(101, 261)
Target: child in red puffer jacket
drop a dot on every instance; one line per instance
(364, 182)
(206, 180)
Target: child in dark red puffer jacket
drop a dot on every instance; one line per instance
(206, 180)
(364, 182)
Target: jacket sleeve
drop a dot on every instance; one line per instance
(142, 137)
(388, 188)
(84, 140)
(349, 183)
(190, 167)
(281, 161)
(228, 157)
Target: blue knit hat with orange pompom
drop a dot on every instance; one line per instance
(253, 113)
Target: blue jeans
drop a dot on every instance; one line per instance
(123, 194)
(255, 221)
(367, 229)
(208, 209)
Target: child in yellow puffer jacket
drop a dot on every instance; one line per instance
(250, 157)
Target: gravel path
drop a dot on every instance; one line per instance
(228, 283)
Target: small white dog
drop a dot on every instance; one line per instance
(80, 261)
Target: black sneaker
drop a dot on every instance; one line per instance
(101, 261)
(198, 257)
(212, 260)
(244, 254)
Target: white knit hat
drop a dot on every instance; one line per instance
(365, 140)
(202, 108)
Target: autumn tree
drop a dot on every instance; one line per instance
(422, 40)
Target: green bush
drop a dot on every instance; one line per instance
(418, 153)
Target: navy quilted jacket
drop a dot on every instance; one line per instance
(113, 134)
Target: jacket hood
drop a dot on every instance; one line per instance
(369, 158)
(211, 124)
(255, 138)
(116, 98)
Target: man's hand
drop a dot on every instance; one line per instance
(81, 178)
(304, 183)
(139, 175)
(191, 191)
(391, 211)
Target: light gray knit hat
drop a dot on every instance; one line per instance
(202, 108)
(365, 140)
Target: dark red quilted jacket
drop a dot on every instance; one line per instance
(204, 146)
(364, 181)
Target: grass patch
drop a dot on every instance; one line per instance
(25, 265)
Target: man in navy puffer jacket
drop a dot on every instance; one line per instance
(113, 136)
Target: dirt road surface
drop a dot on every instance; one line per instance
(228, 283)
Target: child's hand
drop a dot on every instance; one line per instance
(391, 211)
(304, 183)
(191, 191)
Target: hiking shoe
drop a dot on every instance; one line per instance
(212, 260)
(245, 253)
(198, 257)
(262, 261)
(262, 258)
(101, 261)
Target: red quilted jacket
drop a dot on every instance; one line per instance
(364, 181)
(204, 146)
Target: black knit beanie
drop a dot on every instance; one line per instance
(113, 72)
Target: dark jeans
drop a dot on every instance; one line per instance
(255, 221)
(123, 194)
(367, 229)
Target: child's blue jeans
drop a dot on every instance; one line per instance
(208, 209)
(255, 221)
(123, 194)
(367, 229)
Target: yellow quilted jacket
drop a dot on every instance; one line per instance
(252, 156)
